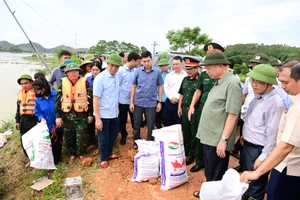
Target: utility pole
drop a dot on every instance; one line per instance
(31, 43)
(154, 45)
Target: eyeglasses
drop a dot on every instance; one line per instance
(256, 82)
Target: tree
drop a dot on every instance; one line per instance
(113, 47)
(188, 39)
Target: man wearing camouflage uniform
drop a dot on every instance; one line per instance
(73, 111)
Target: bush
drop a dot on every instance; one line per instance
(237, 68)
(34, 56)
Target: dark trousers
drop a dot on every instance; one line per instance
(56, 141)
(250, 153)
(150, 118)
(189, 132)
(282, 186)
(171, 113)
(159, 116)
(215, 166)
(26, 123)
(107, 137)
(238, 146)
(91, 132)
(123, 115)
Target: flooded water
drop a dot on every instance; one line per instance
(12, 66)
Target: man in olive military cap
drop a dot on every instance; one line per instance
(217, 127)
(163, 65)
(260, 126)
(276, 64)
(106, 98)
(74, 110)
(25, 118)
(186, 91)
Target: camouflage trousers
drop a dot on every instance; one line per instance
(76, 135)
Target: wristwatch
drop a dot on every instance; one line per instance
(224, 138)
(159, 101)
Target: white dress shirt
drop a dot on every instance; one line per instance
(172, 84)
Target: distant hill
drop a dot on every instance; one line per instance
(5, 46)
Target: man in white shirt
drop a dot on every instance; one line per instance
(171, 87)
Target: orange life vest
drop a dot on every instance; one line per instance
(74, 95)
(26, 101)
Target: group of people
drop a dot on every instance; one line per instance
(207, 102)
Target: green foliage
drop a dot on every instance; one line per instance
(113, 47)
(34, 56)
(15, 49)
(187, 40)
(237, 68)
(243, 78)
(248, 51)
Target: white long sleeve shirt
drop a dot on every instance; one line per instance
(172, 84)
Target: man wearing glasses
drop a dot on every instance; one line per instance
(260, 125)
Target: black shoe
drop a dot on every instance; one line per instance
(196, 194)
(196, 168)
(123, 141)
(238, 168)
(189, 160)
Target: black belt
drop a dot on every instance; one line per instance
(252, 145)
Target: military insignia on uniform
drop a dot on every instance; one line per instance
(257, 57)
(210, 47)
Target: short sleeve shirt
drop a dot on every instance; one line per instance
(187, 89)
(289, 133)
(224, 98)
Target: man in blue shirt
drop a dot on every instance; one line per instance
(105, 101)
(59, 72)
(143, 96)
(125, 77)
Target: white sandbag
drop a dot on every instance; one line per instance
(146, 161)
(38, 146)
(229, 188)
(3, 140)
(172, 156)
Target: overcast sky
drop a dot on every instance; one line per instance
(141, 22)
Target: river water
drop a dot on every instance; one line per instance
(12, 66)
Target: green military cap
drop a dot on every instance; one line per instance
(260, 58)
(215, 58)
(190, 62)
(114, 59)
(163, 55)
(162, 62)
(97, 54)
(72, 66)
(144, 48)
(24, 76)
(89, 57)
(212, 46)
(275, 62)
(264, 73)
(65, 63)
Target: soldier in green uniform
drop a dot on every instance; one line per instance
(204, 85)
(186, 91)
(74, 109)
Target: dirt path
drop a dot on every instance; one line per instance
(115, 181)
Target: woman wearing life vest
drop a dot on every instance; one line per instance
(25, 117)
(74, 110)
(44, 110)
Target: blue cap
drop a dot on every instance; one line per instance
(65, 63)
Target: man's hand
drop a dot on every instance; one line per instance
(242, 140)
(18, 126)
(174, 100)
(221, 148)
(99, 124)
(158, 107)
(179, 112)
(59, 122)
(257, 163)
(43, 120)
(90, 119)
(190, 113)
(131, 107)
(247, 176)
